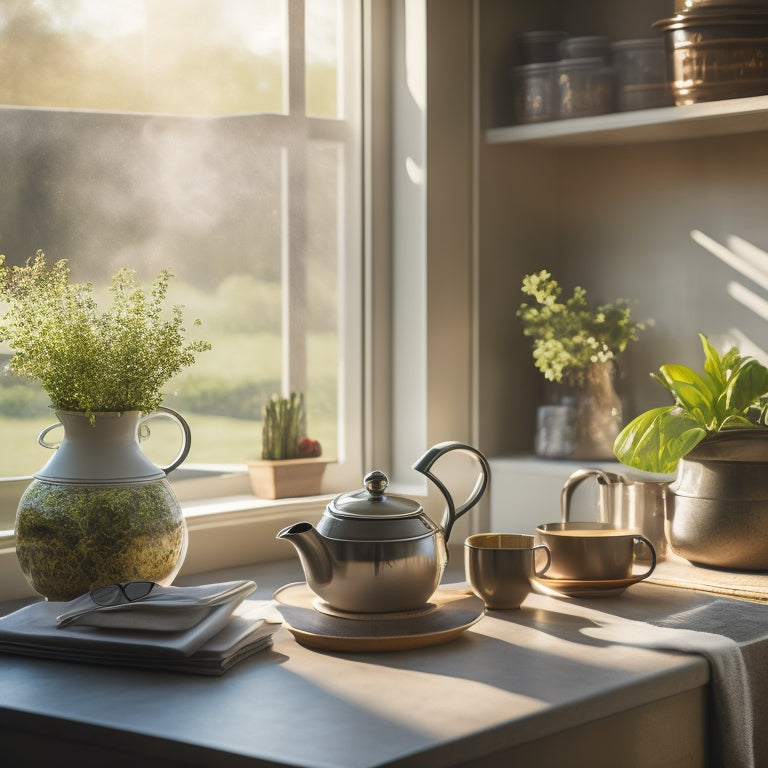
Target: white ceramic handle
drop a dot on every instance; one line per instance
(41, 436)
(186, 434)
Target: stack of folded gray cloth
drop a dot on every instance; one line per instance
(203, 630)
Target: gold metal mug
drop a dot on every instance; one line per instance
(500, 566)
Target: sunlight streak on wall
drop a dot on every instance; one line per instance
(751, 262)
(748, 298)
(746, 263)
(736, 338)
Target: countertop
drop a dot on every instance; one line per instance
(518, 684)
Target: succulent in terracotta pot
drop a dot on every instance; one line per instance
(291, 462)
(285, 427)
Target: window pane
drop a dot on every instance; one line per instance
(167, 56)
(326, 249)
(323, 51)
(199, 197)
(235, 207)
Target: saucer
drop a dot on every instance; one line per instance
(450, 612)
(323, 607)
(579, 588)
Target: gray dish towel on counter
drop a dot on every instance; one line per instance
(739, 684)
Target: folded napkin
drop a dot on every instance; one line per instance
(228, 633)
(164, 609)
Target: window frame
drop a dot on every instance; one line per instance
(227, 525)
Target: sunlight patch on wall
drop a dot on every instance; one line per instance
(752, 263)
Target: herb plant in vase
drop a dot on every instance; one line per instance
(715, 439)
(99, 511)
(291, 463)
(575, 346)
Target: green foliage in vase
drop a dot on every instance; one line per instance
(71, 539)
(285, 429)
(570, 335)
(730, 393)
(87, 360)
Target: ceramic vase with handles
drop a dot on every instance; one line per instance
(100, 511)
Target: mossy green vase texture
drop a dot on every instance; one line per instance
(100, 511)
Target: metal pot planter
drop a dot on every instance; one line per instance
(718, 512)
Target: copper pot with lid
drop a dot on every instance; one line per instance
(683, 6)
(717, 50)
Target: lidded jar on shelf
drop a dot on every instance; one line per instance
(640, 69)
(585, 87)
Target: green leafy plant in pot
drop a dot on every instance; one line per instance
(714, 438)
(291, 463)
(575, 346)
(99, 511)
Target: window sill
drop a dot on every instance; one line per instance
(228, 526)
(237, 530)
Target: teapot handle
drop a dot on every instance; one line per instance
(452, 514)
(186, 434)
(605, 478)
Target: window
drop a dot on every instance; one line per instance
(219, 139)
(417, 283)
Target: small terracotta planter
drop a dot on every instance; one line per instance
(284, 478)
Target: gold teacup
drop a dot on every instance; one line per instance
(500, 566)
(592, 551)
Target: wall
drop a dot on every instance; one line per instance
(616, 220)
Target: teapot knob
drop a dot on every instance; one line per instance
(376, 483)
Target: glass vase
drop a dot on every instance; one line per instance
(585, 420)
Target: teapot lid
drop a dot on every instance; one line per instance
(371, 501)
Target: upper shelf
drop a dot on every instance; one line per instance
(714, 118)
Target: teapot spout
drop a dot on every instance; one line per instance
(313, 553)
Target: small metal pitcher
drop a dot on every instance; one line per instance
(626, 503)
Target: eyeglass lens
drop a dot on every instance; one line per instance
(117, 594)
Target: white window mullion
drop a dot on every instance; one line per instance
(294, 268)
(296, 60)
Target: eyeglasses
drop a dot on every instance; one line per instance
(119, 594)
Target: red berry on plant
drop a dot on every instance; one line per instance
(309, 448)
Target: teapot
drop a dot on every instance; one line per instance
(377, 553)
